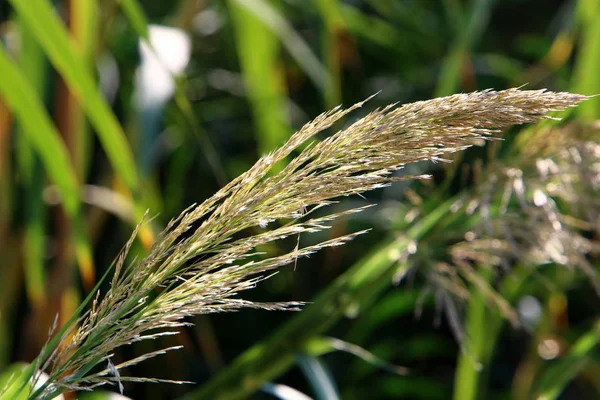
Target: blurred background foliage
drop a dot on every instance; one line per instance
(482, 282)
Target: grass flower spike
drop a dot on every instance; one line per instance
(201, 262)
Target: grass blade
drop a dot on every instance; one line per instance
(135, 15)
(32, 64)
(477, 349)
(376, 30)
(84, 29)
(319, 377)
(29, 111)
(452, 66)
(294, 44)
(586, 78)
(331, 37)
(43, 22)
(258, 52)
(43, 136)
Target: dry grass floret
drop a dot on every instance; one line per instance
(198, 264)
(541, 209)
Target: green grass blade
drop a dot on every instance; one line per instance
(482, 329)
(84, 26)
(452, 66)
(12, 378)
(330, 49)
(398, 303)
(258, 53)
(43, 22)
(294, 44)
(319, 377)
(34, 242)
(137, 18)
(476, 351)
(43, 136)
(372, 28)
(586, 79)
(33, 65)
(454, 12)
(30, 112)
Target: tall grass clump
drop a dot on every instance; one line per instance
(201, 261)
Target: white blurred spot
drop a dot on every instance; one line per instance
(43, 378)
(411, 215)
(412, 247)
(548, 349)
(207, 22)
(263, 222)
(284, 392)
(116, 396)
(539, 198)
(171, 55)
(472, 206)
(530, 311)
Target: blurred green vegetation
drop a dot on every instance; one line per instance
(95, 130)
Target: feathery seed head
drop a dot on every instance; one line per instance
(198, 264)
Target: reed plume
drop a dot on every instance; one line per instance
(199, 263)
(528, 213)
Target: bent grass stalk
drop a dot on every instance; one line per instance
(198, 264)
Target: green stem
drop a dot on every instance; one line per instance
(481, 332)
(474, 25)
(476, 352)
